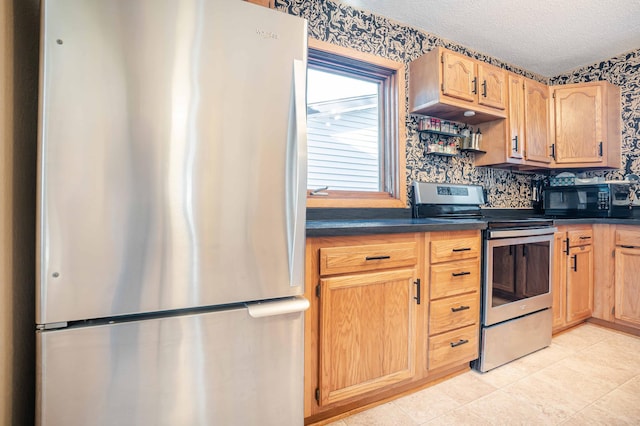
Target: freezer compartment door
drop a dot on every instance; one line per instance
(172, 156)
(216, 368)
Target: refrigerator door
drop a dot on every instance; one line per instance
(215, 368)
(172, 156)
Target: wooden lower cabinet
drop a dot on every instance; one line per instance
(627, 284)
(454, 307)
(384, 319)
(573, 275)
(579, 283)
(559, 284)
(454, 347)
(616, 255)
(627, 276)
(367, 332)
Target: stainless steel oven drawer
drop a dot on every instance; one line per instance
(509, 340)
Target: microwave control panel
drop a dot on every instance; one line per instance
(603, 200)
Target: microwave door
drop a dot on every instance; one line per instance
(582, 200)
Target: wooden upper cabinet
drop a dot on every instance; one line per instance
(537, 116)
(445, 84)
(492, 86)
(523, 139)
(515, 143)
(473, 81)
(587, 125)
(578, 125)
(459, 77)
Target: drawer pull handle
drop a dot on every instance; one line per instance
(458, 343)
(459, 274)
(630, 247)
(377, 257)
(585, 238)
(462, 249)
(461, 308)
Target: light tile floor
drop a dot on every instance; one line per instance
(588, 376)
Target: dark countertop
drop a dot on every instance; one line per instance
(331, 228)
(374, 222)
(597, 220)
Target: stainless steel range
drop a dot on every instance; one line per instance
(517, 269)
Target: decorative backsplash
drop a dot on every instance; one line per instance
(345, 26)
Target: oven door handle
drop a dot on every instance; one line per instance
(528, 232)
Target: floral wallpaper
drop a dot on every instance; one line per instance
(345, 26)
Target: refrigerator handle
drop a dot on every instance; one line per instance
(296, 173)
(277, 307)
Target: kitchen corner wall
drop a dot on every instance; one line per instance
(345, 26)
(624, 71)
(19, 22)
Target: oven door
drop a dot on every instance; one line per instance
(517, 276)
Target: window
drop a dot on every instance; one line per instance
(355, 154)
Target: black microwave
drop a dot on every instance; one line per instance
(596, 200)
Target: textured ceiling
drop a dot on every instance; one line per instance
(548, 37)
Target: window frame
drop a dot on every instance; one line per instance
(393, 140)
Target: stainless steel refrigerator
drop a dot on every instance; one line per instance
(171, 210)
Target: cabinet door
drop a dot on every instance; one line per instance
(515, 145)
(579, 283)
(578, 125)
(536, 121)
(367, 332)
(627, 285)
(559, 278)
(492, 88)
(458, 77)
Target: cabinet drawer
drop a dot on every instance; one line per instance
(455, 347)
(338, 260)
(627, 238)
(455, 249)
(454, 312)
(449, 279)
(580, 237)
